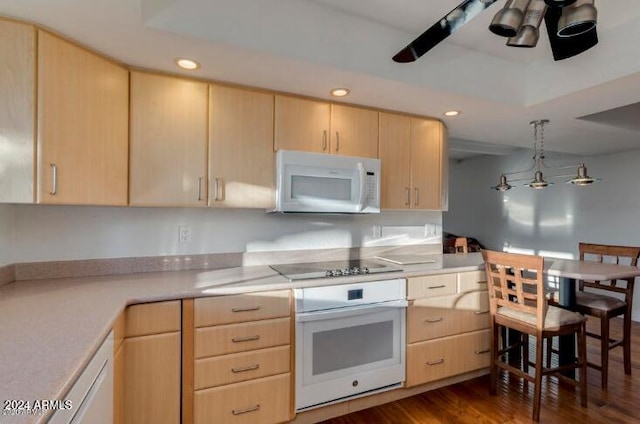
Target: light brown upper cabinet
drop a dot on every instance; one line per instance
(354, 131)
(426, 163)
(302, 124)
(168, 146)
(413, 156)
(82, 125)
(313, 126)
(395, 156)
(17, 111)
(241, 154)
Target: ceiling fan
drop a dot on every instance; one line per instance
(571, 26)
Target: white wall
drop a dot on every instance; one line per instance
(6, 234)
(551, 221)
(45, 233)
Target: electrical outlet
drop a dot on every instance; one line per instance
(184, 234)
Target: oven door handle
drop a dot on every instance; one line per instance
(350, 311)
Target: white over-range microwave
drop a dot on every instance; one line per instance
(324, 183)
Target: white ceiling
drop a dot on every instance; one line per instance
(310, 46)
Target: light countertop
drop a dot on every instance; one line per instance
(50, 329)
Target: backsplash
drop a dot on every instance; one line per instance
(58, 233)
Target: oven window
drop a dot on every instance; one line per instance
(320, 188)
(349, 347)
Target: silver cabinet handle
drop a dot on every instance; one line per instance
(324, 140)
(438, 362)
(436, 287)
(216, 190)
(245, 339)
(416, 192)
(54, 179)
(337, 141)
(482, 352)
(257, 308)
(433, 320)
(199, 189)
(481, 312)
(244, 411)
(407, 192)
(243, 369)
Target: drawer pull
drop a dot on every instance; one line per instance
(245, 339)
(433, 320)
(438, 362)
(249, 368)
(437, 287)
(481, 312)
(257, 308)
(244, 411)
(482, 352)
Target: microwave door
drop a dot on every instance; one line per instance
(362, 191)
(325, 190)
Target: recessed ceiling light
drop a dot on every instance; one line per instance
(452, 113)
(340, 92)
(185, 63)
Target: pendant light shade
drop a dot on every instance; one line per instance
(529, 33)
(538, 182)
(559, 3)
(578, 18)
(503, 185)
(508, 20)
(582, 179)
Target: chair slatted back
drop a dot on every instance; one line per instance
(621, 255)
(461, 245)
(516, 282)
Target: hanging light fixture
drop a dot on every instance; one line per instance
(538, 165)
(508, 20)
(529, 32)
(578, 18)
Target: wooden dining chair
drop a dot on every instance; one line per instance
(461, 245)
(517, 302)
(601, 302)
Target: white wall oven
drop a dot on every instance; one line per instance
(350, 341)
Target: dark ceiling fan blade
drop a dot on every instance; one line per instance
(566, 47)
(449, 24)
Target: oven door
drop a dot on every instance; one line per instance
(349, 352)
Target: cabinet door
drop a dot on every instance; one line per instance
(395, 156)
(301, 124)
(168, 141)
(17, 111)
(241, 148)
(426, 164)
(354, 131)
(82, 125)
(152, 379)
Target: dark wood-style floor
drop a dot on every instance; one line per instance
(470, 403)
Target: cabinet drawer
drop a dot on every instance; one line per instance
(431, 318)
(431, 285)
(263, 401)
(474, 280)
(153, 318)
(223, 339)
(241, 308)
(226, 369)
(446, 357)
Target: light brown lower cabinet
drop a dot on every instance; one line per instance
(152, 379)
(448, 356)
(262, 401)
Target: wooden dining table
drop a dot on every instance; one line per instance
(570, 270)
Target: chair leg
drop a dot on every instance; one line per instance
(582, 359)
(495, 347)
(549, 348)
(604, 350)
(525, 352)
(537, 390)
(627, 342)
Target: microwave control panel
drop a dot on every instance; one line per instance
(371, 186)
